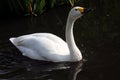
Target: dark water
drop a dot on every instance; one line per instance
(97, 35)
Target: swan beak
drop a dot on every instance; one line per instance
(81, 9)
(84, 10)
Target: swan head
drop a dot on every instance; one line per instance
(76, 12)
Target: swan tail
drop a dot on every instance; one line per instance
(12, 40)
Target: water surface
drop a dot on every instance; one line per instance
(97, 35)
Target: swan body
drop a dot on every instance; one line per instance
(42, 46)
(49, 47)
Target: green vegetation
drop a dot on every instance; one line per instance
(26, 7)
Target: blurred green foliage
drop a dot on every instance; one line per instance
(22, 7)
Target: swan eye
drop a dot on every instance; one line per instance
(76, 9)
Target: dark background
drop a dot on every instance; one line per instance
(97, 35)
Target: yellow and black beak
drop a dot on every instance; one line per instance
(84, 10)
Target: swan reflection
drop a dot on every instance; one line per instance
(75, 69)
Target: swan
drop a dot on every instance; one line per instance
(49, 47)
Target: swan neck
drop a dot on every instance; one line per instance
(74, 51)
(69, 35)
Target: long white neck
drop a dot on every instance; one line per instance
(74, 51)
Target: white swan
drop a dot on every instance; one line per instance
(49, 47)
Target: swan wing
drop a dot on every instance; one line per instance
(42, 46)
